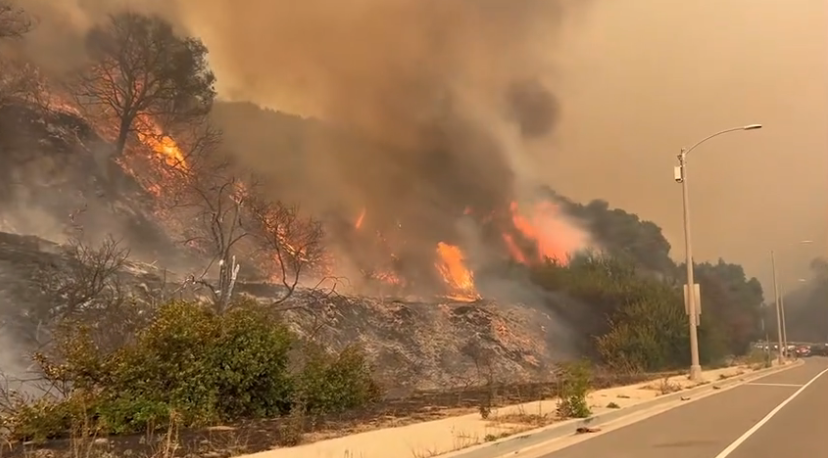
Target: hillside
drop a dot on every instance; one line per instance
(60, 176)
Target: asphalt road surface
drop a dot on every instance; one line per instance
(783, 415)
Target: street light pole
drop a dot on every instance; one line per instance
(681, 176)
(778, 307)
(695, 365)
(784, 326)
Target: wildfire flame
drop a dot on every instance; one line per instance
(154, 137)
(360, 219)
(540, 229)
(452, 267)
(514, 251)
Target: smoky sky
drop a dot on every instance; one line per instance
(641, 79)
(625, 86)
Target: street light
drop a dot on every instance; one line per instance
(781, 325)
(680, 175)
(776, 301)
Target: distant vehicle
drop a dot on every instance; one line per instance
(819, 350)
(803, 351)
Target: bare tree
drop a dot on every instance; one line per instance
(229, 219)
(215, 210)
(85, 287)
(141, 73)
(296, 242)
(19, 80)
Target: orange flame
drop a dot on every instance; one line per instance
(360, 219)
(537, 230)
(451, 266)
(161, 143)
(514, 250)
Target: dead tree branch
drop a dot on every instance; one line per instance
(296, 242)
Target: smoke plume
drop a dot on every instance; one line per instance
(431, 102)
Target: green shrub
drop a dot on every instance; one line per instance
(251, 361)
(205, 367)
(646, 335)
(638, 321)
(575, 380)
(335, 382)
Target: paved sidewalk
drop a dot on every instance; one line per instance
(430, 439)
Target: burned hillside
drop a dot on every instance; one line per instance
(63, 178)
(414, 345)
(422, 315)
(59, 175)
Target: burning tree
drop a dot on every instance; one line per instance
(294, 241)
(140, 73)
(226, 217)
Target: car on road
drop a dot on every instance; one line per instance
(819, 350)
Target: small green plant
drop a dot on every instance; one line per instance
(613, 405)
(575, 379)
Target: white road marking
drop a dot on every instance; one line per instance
(732, 447)
(775, 384)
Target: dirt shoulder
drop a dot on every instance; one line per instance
(421, 417)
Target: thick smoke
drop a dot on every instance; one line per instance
(433, 100)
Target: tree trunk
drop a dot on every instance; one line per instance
(123, 135)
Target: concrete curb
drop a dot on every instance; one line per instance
(532, 439)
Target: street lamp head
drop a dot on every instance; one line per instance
(752, 127)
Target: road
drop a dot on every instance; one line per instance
(780, 415)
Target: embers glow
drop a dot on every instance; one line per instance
(360, 219)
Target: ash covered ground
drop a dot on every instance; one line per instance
(59, 176)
